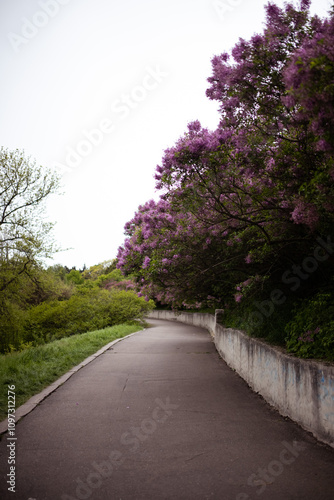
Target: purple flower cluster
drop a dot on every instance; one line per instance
(309, 77)
(236, 199)
(308, 336)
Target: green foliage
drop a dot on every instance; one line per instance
(126, 305)
(246, 317)
(46, 304)
(86, 310)
(115, 276)
(24, 234)
(311, 332)
(59, 271)
(75, 277)
(11, 325)
(30, 290)
(99, 269)
(24, 240)
(305, 327)
(43, 285)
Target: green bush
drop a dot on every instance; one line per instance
(86, 310)
(75, 277)
(311, 332)
(126, 305)
(305, 327)
(11, 326)
(247, 317)
(115, 275)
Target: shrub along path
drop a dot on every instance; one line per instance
(161, 416)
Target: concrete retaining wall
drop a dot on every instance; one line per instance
(302, 390)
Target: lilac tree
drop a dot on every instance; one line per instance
(240, 203)
(309, 78)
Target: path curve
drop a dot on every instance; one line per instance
(159, 415)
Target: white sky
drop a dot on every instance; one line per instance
(137, 69)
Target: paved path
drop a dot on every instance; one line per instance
(160, 416)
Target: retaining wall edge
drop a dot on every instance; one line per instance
(300, 389)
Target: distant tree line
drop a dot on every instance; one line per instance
(39, 304)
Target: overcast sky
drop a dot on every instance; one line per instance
(97, 89)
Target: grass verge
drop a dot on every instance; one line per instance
(35, 368)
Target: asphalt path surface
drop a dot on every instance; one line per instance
(160, 416)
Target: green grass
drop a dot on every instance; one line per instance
(33, 369)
